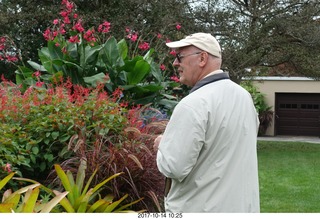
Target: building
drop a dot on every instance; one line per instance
(295, 102)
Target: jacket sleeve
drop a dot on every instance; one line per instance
(181, 142)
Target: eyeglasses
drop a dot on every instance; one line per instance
(179, 57)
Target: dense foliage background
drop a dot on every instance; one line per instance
(258, 37)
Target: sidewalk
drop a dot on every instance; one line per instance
(310, 139)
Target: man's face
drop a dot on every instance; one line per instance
(187, 63)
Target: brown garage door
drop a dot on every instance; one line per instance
(297, 114)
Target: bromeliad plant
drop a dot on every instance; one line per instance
(82, 199)
(78, 197)
(92, 56)
(26, 199)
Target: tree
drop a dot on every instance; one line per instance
(263, 37)
(24, 21)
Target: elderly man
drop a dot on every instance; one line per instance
(208, 151)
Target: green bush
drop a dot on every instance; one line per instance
(264, 111)
(37, 125)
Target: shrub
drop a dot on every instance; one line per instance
(37, 125)
(264, 111)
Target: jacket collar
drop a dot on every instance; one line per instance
(210, 79)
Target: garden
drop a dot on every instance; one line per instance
(78, 124)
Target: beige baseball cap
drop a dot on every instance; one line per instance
(203, 41)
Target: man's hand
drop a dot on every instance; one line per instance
(156, 143)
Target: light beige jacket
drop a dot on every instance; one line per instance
(209, 151)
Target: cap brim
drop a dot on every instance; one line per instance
(177, 44)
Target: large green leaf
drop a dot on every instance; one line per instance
(36, 66)
(111, 52)
(95, 79)
(54, 51)
(156, 72)
(140, 70)
(51, 64)
(123, 49)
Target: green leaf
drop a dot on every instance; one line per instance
(53, 202)
(96, 205)
(30, 200)
(65, 203)
(4, 181)
(54, 51)
(91, 54)
(111, 52)
(123, 49)
(156, 72)
(140, 70)
(35, 150)
(36, 66)
(105, 181)
(95, 79)
(49, 63)
(55, 135)
(65, 182)
(112, 206)
(81, 174)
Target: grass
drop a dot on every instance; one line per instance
(289, 174)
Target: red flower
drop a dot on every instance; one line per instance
(144, 46)
(133, 37)
(175, 78)
(104, 27)
(7, 168)
(162, 67)
(159, 36)
(55, 21)
(78, 27)
(47, 35)
(173, 52)
(12, 58)
(36, 74)
(74, 39)
(39, 83)
(178, 26)
(88, 36)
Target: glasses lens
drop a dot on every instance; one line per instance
(178, 57)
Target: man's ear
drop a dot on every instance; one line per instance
(203, 59)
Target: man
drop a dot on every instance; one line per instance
(208, 151)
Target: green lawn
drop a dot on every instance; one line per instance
(289, 175)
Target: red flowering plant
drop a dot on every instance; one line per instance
(37, 125)
(90, 56)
